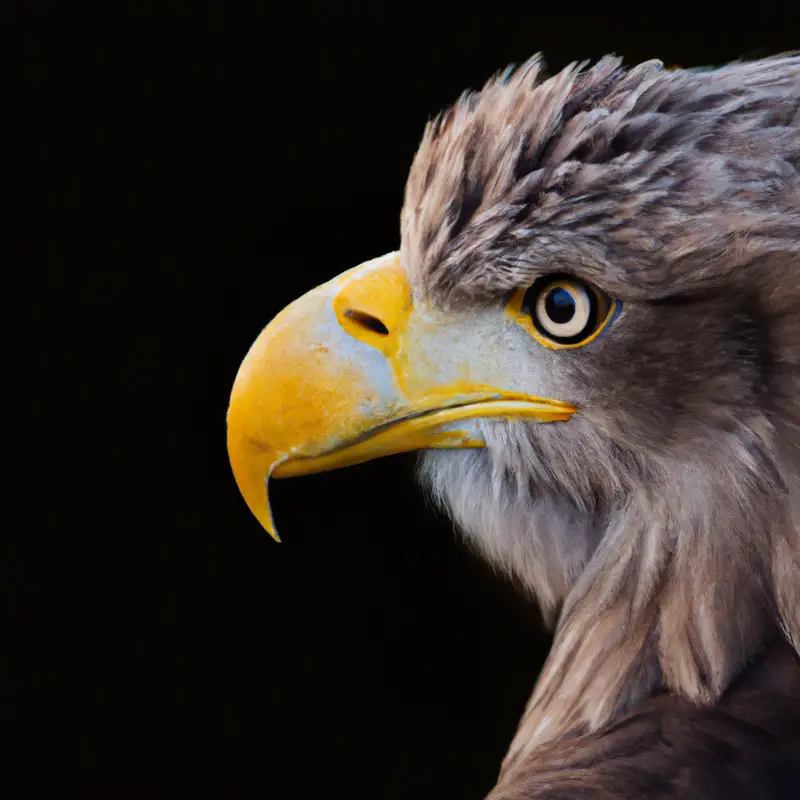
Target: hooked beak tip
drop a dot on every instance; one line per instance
(252, 465)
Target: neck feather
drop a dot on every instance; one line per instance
(674, 598)
(672, 581)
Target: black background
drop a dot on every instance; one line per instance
(187, 173)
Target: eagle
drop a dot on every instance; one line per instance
(591, 331)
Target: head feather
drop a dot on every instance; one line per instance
(652, 180)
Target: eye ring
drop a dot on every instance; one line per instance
(562, 312)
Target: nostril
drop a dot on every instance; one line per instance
(367, 321)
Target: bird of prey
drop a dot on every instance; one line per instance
(591, 330)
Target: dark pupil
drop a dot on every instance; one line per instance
(559, 305)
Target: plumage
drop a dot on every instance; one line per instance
(664, 523)
(658, 525)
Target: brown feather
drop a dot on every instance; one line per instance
(746, 748)
(662, 522)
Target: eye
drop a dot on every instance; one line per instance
(563, 312)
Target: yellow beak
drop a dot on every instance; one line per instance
(355, 370)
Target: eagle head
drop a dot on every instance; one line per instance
(591, 330)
